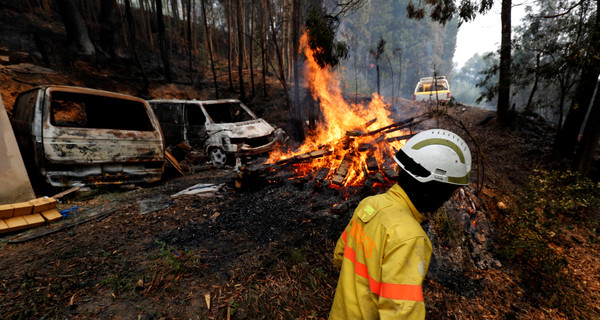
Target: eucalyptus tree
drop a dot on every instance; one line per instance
(75, 26)
(583, 108)
(546, 57)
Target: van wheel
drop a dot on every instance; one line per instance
(218, 157)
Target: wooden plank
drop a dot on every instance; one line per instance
(6, 211)
(15, 223)
(372, 164)
(304, 156)
(173, 162)
(43, 204)
(52, 215)
(64, 193)
(389, 171)
(34, 220)
(22, 208)
(342, 170)
(3, 226)
(400, 138)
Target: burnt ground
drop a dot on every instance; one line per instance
(264, 251)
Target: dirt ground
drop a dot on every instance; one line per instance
(264, 251)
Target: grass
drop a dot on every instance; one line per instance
(554, 201)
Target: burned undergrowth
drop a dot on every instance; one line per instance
(262, 249)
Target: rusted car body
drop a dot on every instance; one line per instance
(225, 129)
(73, 136)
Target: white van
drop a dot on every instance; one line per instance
(432, 89)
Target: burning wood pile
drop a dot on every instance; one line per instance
(352, 145)
(359, 158)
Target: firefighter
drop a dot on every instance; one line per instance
(384, 253)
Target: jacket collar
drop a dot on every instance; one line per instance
(397, 192)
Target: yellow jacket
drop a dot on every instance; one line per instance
(384, 255)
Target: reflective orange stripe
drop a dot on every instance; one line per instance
(395, 291)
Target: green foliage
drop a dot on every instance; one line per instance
(443, 11)
(376, 53)
(321, 32)
(466, 83)
(563, 194)
(551, 201)
(116, 283)
(171, 257)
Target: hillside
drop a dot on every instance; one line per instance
(520, 242)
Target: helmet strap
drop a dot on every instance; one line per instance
(428, 196)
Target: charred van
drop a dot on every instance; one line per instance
(73, 136)
(225, 129)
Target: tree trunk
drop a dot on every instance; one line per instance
(189, 40)
(77, 32)
(136, 59)
(212, 62)
(164, 51)
(240, 48)
(566, 141)
(377, 68)
(251, 46)
(263, 53)
(528, 107)
(505, 61)
(589, 140)
(109, 28)
(296, 8)
(278, 53)
(229, 44)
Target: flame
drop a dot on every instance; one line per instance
(340, 119)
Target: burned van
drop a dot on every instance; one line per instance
(225, 129)
(73, 136)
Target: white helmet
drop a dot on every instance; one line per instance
(436, 155)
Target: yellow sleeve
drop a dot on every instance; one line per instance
(402, 272)
(338, 253)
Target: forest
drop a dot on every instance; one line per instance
(520, 242)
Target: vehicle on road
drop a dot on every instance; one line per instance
(432, 89)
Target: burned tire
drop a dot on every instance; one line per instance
(218, 157)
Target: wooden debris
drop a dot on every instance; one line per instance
(322, 174)
(377, 177)
(355, 133)
(365, 147)
(370, 122)
(403, 137)
(173, 161)
(304, 157)
(342, 170)
(64, 193)
(372, 164)
(389, 172)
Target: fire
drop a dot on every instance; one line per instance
(346, 129)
